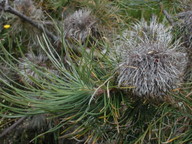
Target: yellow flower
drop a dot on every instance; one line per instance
(6, 26)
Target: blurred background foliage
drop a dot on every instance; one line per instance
(74, 97)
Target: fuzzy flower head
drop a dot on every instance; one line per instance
(80, 25)
(152, 66)
(153, 32)
(30, 65)
(142, 32)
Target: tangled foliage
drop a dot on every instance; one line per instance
(30, 64)
(184, 26)
(28, 129)
(29, 9)
(150, 62)
(5, 74)
(80, 25)
(183, 30)
(186, 4)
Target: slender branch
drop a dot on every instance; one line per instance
(4, 6)
(6, 131)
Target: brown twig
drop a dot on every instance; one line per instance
(7, 130)
(4, 6)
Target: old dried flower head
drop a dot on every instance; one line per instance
(142, 32)
(150, 64)
(152, 32)
(80, 26)
(31, 65)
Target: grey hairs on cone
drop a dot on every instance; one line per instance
(80, 25)
(149, 62)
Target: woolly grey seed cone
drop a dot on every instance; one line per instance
(80, 26)
(31, 65)
(142, 32)
(150, 63)
(152, 69)
(153, 32)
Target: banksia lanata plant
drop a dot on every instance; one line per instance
(150, 63)
(80, 26)
(31, 65)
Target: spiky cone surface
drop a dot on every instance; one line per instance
(149, 62)
(140, 32)
(80, 26)
(29, 66)
(153, 32)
